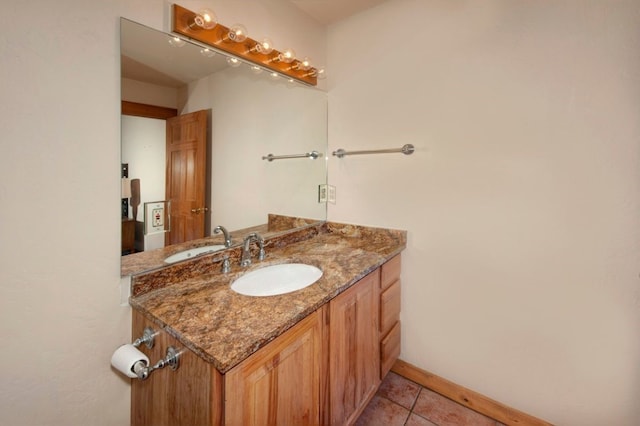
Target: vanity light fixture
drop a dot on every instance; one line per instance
(319, 73)
(304, 64)
(205, 19)
(237, 33)
(260, 53)
(263, 47)
(287, 56)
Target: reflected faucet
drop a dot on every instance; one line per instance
(246, 252)
(227, 237)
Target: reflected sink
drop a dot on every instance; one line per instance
(276, 279)
(188, 254)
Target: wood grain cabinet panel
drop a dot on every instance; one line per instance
(280, 384)
(390, 272)
(128, 236)
(389, 307)
(354, 364)
(390, 303)
(389, 349)
(190, 395)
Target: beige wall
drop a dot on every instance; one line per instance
(522, 201)
(60, 318)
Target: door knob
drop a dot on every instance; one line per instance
(200, 209)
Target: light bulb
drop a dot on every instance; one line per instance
(304, 64)
(274, 75)
(176, 41)
(287, 56)
(320, 73)
(208, 53)
(264, 47)
(256, 69)
(233, 62)
(237, 33)
(206, 19)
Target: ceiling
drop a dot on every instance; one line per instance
(330, 11)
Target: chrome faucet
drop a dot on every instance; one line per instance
(246, 252)
(227, 237)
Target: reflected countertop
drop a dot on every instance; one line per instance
(140, 262)
(193, 301)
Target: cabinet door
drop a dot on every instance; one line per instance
(354, 362)
(280, 384)
(190, 395)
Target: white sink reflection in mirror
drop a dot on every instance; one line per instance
(276, 279)
(188, 254)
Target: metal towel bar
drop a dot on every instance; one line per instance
(406, 149)
(313, 155)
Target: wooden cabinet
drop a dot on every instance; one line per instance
(128, 236)
(281, 383)
(354, 364)
(190, 395)
(389, 314)
(324, 370)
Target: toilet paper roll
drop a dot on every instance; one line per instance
(125, 357)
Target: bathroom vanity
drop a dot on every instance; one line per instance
(313, 356)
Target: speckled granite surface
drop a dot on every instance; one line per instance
(137, 263)
(193, 300)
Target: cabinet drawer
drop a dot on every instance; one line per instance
(389, 349)
(389, 307)
(390, 272)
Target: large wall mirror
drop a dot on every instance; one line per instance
(248, 116)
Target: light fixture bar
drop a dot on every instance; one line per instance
(217, 37)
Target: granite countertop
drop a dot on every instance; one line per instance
(137, 263)
(193, 301)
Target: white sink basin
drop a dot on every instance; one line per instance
(276, 279)
(188, 254)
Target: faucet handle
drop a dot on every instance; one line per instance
(226, 265)
(225, 262)
(227, 238)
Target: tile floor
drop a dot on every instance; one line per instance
(401, 402)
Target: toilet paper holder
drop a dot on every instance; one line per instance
(171, 359)
(148, 338)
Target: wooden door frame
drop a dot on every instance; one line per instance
(137, 109)
(149, 111)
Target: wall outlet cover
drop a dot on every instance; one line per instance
(332, 194)
(322, 193)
